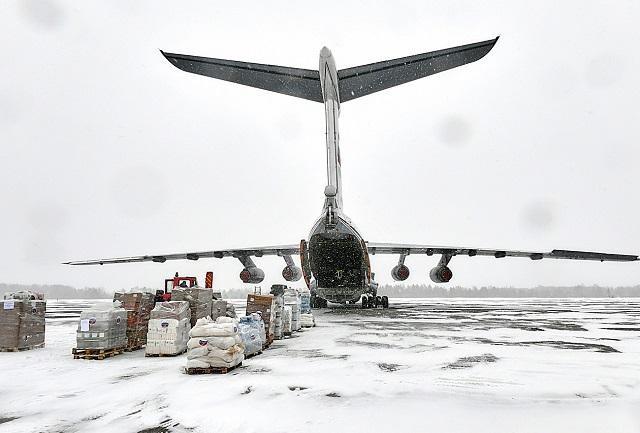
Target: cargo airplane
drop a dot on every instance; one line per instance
(335, 257)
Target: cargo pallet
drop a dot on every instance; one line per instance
(252, 355)
(96, 353)
(211, 370)
(133, 348)
(160, 355)
(21, 349)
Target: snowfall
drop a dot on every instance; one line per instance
(560, 365)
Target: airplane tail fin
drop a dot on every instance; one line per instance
(352, 82)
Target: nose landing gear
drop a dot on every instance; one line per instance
(369, 301)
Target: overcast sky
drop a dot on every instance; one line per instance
(107, 150)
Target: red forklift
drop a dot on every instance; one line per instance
(178, 281)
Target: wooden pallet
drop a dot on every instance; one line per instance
(96, 353)
(21, 349)
(252, 355)
(211, 370)
(160, 355)
(132, 348)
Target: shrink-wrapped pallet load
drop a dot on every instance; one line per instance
(305, 301)
(286, 320)
(138, 306)
(265, 305)
(292, 299)
(169, 326)
(22, 321)
(200, 301)
(252, 333)
(279, 302)
(102, 327)
(307, 320)
(215, 344)
(222, 308)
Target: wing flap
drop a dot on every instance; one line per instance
(280, 250)
(364, 80)
(301, 83)
(389, 248)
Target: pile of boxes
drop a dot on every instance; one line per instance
(138, 306)
(169, 326)
(265, 305)
(200, 301)
(22, 321)
(102, 327)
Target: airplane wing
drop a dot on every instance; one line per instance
(381, 248)
(279, 250)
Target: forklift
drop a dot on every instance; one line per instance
(182, 282)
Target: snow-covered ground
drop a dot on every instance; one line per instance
(556, 365)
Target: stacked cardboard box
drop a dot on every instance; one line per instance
(222, 308)
(199, 299)
(102, 327)
(265, 305)
(138, 306)
(22, 324)
(169, 328)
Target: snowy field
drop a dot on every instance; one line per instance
(553, 365)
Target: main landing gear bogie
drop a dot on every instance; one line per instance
(369, 301)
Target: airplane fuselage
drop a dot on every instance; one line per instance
(335, 261)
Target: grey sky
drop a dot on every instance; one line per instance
(107, 150)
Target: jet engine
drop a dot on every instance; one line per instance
(400, 272)
(441, 274)
(291, 273)
(252, 275)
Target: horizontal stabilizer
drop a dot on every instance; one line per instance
(367, 79)
(301, 83)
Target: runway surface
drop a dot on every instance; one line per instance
(525, 365)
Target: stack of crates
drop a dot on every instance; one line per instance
(138, 306)
(102, 328)
(265, 305)
(22, 323)
(200, 301)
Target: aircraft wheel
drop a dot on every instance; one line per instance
(379, 301)
(385, 302)
(365, 301)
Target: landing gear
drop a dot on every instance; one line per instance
(369, 301)
(317, 302)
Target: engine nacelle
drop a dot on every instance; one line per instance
(441, 274)
(400, 272)
(252, 275)
(291, 273)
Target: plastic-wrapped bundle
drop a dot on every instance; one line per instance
(102, 327)
(25, 295)
(138, 306)
(265, 304)
(250, 338)
(169, 328)
(286, 320)
(22, 323)
(215, 344)
(279, 306)
(222, 308)
(292, 299)
(255, 321)
(305, 301)
(199, 299)
(307, 320)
